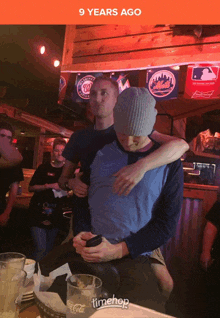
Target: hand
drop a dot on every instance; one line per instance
(103, 252)
(80, 189)
(4, 217)
(79, 241)
(128, 177)
(55, 186)
(205, 260)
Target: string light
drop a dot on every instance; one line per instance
(56, 63)
(42, 49)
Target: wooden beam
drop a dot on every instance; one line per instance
(146, 59)
(20, 115)
(68, 44)
(110, 30)
(133, 43)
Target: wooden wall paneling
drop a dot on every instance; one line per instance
(185, 247)
(107, 30)
(144, 59)
(182, 252)
(148, 41)
(117, 44)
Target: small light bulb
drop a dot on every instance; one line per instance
(42, 49)
(56, 63)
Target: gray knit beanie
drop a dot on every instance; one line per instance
(134, 112)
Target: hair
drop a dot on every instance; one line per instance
(5, 125)
(108, 79)
(59, 141)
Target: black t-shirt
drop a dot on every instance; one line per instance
(44, 204)
(7, 177)
(213, 216)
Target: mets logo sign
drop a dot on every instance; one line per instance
(84, 85)
(162, 83)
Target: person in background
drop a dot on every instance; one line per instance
(10, 177)
(83, 146)
(9, 155)
(45, 208)
(210, 259)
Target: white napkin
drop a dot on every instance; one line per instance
(43, 283)
(59, 193)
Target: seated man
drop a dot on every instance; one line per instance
(134, 225)
(83, 146)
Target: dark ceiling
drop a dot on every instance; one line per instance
(30, 77)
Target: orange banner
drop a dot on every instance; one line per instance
(109, 12)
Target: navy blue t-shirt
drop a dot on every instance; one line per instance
(83, 146)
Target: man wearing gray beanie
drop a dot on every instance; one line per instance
(133, 226)
(136, 223)
(134, 112)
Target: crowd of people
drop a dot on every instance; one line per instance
(129, 190)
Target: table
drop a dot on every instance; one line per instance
(29, 310)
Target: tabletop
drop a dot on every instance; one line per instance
(30, 311)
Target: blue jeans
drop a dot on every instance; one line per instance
(43, 241)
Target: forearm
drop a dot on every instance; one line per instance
(210, 233)
(121, 249)
(165, 215)
(167, 153)
(39, 187)
(67, 174)
(149, 238)
(10, 156)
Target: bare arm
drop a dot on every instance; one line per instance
(67, 178)
(67, 173)
(10, 202)
(172, 148)
(209, 236)
(42, 187)
(9, 155)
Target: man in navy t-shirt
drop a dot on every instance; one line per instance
(83, 146)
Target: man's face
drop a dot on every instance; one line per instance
(57, 153)
(7, 134)
(103, 97)
(132, 143)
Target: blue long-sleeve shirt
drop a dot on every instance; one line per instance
(157, 230)
(147, 217)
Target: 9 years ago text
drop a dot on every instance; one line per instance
(109, 12)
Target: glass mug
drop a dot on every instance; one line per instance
(11, 288)
(13, 259)
(81, 290)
